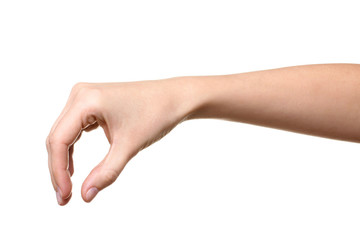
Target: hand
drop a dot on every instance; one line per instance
(133, 115)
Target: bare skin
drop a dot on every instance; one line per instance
(322, 100)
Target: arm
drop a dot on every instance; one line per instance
(321, 100)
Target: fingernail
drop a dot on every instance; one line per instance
(91, 193)
(59, 198)
(59, 191)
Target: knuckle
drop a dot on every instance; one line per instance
(90, 99)
(78, 86)
(52, 140)
(86, 90)
(109, 176)
(47, 142)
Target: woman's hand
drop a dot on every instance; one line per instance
(133, 115)
(320, 100)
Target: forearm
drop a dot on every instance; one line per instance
(322, 100)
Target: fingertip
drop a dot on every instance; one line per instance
(63, 190)
(62, 201)
(90, 194)
(89, 190)
(90, 183)
(59, 198)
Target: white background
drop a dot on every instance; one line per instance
(207, 179)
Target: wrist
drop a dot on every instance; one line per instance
(211, 96)
(193, 94)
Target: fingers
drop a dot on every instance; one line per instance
(60, 150)
(78, 115)
(106, 172)
(60, 171)
(69, 103)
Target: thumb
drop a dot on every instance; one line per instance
(105, 173)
